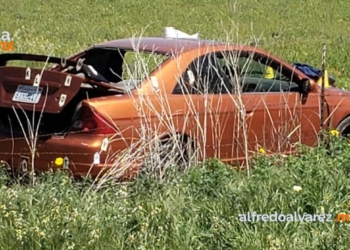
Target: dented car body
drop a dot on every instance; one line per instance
(85, 109)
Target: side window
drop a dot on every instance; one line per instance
(258, 74)
(228, 72)
(204, 75)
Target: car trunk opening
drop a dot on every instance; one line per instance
(15, 120)
(52, 104)
(50, 98)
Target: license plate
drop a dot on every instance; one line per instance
(27, 94)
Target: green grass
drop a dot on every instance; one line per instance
(294, 30)
(197, 209)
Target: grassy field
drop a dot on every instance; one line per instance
(294, 31)
(197, 209)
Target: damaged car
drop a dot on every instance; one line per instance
(218, 99)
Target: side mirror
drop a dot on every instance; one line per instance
(304, 90)
(305, 86)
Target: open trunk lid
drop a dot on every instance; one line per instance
(34, 89)
(48, 91)
(32, 97)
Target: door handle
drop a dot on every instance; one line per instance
(249, 113)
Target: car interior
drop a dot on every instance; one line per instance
(219, 74)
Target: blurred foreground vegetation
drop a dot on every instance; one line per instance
(196, 209)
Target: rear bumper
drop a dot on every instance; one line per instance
(82, 155)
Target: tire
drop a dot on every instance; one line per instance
(344, 127)
(173, 151)
(178, 149)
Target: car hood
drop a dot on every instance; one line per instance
(336, 92)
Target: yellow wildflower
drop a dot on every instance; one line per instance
(262, 150)
(334, 132)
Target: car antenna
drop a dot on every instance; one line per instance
(323, 85)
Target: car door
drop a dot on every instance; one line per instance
(277, 116)
(207, 90)
(257, 105)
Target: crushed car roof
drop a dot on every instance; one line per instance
(160, 44)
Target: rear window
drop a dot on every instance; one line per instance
(141, 65)
(124, 68)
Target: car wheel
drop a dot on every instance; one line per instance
(172, 151)
(177, 150)
(344, 127)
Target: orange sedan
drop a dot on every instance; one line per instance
(119, 105)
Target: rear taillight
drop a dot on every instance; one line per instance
(88, 121)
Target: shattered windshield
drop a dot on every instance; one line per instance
(124, 69)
